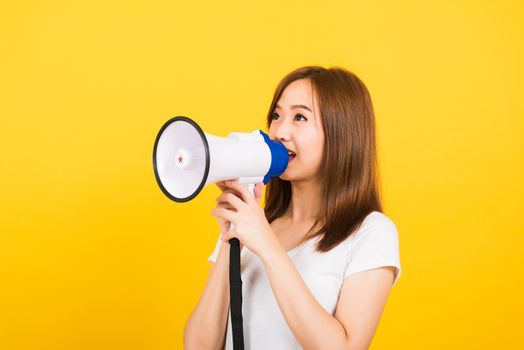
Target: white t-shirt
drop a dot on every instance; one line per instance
(373, 245)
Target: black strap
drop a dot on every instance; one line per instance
(235, 294)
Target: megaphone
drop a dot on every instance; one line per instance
(185, 158)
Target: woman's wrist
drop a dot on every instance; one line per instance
(273, 250)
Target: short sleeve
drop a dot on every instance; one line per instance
(375, 245)
(213, 257)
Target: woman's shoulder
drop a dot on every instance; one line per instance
(377, 218)
(376, 224)
(376, 244)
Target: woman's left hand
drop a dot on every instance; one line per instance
(250, 224)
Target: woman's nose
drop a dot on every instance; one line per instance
(282, 132)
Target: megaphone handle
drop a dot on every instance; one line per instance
(235, 287)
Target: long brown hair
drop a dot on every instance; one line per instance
(349, 168)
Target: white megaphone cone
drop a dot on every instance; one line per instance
(185, 158)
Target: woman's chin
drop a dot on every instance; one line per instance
(286, 176)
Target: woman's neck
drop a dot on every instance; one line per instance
(305, 202)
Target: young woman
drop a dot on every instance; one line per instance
(318, 262)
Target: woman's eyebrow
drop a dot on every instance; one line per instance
(297, 106)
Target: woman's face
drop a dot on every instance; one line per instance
(296, 123)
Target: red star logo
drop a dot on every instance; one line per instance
(180, 159)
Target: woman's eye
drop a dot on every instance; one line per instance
(275, 116)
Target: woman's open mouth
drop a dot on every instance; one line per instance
(292, 155)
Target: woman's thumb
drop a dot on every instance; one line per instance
(258, 190)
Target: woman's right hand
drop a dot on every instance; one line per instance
(224, 224)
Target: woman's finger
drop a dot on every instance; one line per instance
(224, 214)
(231, 198)
(223, 223)
(221, 185)
(229, 235)
(244, 193)
(259, 187)
(226, 205)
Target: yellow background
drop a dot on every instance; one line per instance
(94, 256)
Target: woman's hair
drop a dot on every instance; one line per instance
(349, 167)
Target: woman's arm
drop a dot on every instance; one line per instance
(207, 324)
(360, 305)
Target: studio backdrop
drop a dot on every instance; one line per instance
(94, 256)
